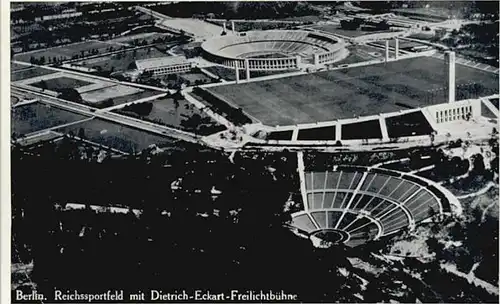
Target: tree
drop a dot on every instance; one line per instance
(70, 94)
(43, 84)
(81, 133)
(477, 164)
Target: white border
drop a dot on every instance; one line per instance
(5, 207)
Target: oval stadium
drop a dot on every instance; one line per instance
(354, 205)
(274, 49)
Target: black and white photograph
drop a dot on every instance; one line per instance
(250, 152)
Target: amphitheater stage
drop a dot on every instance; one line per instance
(355, 91)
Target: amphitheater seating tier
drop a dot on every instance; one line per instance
(355, 200)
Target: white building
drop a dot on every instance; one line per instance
(165, 65)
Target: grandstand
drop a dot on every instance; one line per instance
(354, 205)
(273, 50)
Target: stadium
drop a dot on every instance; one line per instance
(274, 49)
(354, 205)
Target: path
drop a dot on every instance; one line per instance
(481, 191)
(471, 278)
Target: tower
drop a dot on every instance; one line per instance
(450, 67)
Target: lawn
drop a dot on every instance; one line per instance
(117, 136)
(121, 61)
(67, 51)
(411, 124)
(362, 130)
(351, 92)
(193, 77)
(149, 37)
(183, 116)
(280, 135)
(256, 26)
(29, 73)
(37, 116)
(55, 84)
(119, 94)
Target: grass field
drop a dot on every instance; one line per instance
(255, 26)
(35, 117)
(29, 73)
(361, 130)
(67, 51)
(121, 61)
(117, 136)
(351, 92)
(55, 84)
(149, 37)
(116, 92)
(193, 77)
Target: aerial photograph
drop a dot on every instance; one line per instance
(254, 152)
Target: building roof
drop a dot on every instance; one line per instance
(151, 63)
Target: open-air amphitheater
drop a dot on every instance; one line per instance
(354, 205)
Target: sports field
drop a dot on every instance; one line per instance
(35, 117)
(55, 84)
(109, 92)
(67, 51)
(352, 92)
(30, 72)
(121, 61)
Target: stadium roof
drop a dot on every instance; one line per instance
(152, 63)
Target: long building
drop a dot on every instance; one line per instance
(165, 65)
